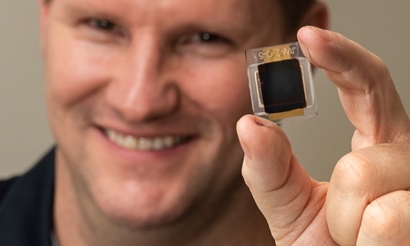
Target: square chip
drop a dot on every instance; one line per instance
(280, 81)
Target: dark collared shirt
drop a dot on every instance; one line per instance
(26, 206)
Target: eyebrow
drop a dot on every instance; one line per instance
(85, 7)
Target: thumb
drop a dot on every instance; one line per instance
(279, 185)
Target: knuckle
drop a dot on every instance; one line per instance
(376, 76)
(383, 221)
(354, 173)
(380, 71)
(381, 67)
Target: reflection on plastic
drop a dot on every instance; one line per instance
(281, 84)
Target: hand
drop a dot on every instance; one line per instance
(367, 201)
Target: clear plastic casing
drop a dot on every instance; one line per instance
(280, 82)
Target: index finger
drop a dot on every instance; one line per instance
(367, 92)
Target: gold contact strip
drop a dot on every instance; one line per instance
(287, 114)
(277, 57)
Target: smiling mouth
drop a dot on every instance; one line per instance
(145, 143)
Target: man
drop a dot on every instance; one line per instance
(144, 98)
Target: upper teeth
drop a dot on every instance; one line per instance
(143, 143)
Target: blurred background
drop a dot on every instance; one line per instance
(381, 26)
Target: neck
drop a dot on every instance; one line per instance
(234, 220)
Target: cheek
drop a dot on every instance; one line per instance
(74, 71)
(221, 87)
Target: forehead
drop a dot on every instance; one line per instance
(205, 6)
(238, 14)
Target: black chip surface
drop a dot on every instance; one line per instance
(282, 86)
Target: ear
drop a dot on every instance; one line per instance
(44, 8)
(317, 15)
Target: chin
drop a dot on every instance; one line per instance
(143, 208)
(137, 217)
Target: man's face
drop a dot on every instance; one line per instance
(144, 96)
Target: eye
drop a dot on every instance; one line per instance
(201, 37)
(207, 37)
(101, 30)
(204, 44)
(104, 25)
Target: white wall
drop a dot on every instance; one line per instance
(381, 26)
(24, 134)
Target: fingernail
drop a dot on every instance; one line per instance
(264, 122)
(324, 34)
(259, 123)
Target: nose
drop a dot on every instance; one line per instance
(141, 89)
